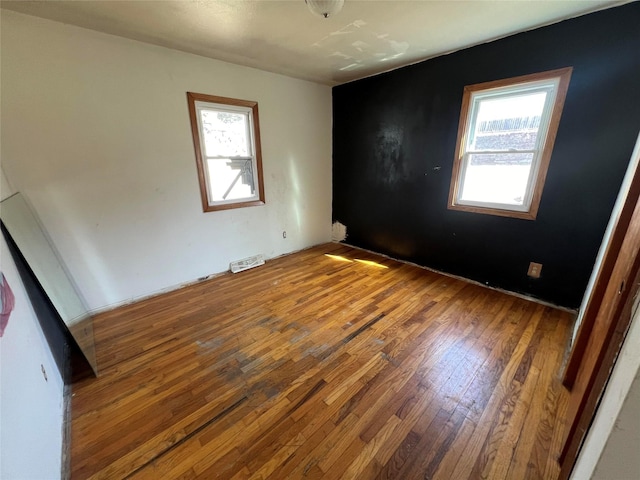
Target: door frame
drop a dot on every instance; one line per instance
(607, 316)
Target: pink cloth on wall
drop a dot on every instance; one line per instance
(7, 301)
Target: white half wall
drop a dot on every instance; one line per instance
(31, 407)
(96, 135)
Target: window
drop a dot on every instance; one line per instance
(505, 139)
(226, 138)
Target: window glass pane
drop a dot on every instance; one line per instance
(507, 122)
(227, 147)
(505, 139)
(230, 179)
(496, 178)
(225, 133)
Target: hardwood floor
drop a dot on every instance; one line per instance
(328, 363)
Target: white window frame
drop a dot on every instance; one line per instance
(200, 102)
(555, 83)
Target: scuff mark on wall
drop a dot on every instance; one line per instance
(389, 167)
(338, 232)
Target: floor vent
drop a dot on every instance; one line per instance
(246, 263)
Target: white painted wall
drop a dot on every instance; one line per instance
(95, 133)
(31, 408)
(620, 458)
(602, 429)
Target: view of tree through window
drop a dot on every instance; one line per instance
(227, 146)
(224, 133)
(227, 151)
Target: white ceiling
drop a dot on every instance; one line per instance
(365, 38)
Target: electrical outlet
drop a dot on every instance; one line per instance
(534, 270)
(284, 234)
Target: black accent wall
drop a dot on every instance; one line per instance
(394, 138)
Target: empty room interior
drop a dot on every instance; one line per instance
(255, 239)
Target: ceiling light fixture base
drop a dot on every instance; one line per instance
(324, 8)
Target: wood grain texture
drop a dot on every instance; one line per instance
(318, 365)
(604, 343)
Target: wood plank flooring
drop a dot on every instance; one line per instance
(328, 363)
